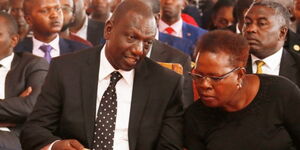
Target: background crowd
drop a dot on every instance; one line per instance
(150, 74)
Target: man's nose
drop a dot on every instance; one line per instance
(139, 48)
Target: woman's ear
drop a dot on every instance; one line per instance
(241, 74)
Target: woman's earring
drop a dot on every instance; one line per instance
(239, 85)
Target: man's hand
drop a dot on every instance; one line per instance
(26, 92)
(67, 145)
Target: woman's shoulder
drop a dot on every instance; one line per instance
(276, 82)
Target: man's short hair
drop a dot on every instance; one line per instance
(10, 22)
(235, 45)
(283, 15)
(135, 6)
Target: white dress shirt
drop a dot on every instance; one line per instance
(6, 65)
(272, 63)
(124, 94)
(38, 52)
(177, 27)
(83, 30)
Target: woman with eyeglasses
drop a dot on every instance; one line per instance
(239, 111)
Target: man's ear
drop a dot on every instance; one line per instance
(14, 40)
(283, 32)
(107, 29)
(157, 18)
(28, 20)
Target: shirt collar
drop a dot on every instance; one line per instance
(272, 61)
(54, 43)
(177, 26)
(6, 62)
(107, 69)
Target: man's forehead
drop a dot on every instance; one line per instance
(260, 12)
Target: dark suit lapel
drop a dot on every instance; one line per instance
(64, 46)
(158, 52)
(249, 65)
(140, 95)
(288, 67)
(10, 75)
(89, 82)
(26, 45)
(95, 32)
(186, 33)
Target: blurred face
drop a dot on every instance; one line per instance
(129, 40)
(297, 10)
(7, 41)
(4, 5)
(46, 16)
(101, 7)
(216, 93)
(263, 32)
(67, 9)
(17, 12)
(171, 9)
(223, 18)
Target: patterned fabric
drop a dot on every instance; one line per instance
(106, 117)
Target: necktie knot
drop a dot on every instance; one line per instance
(169, 30)
(47, 49)
(115, 77)
(259, 64)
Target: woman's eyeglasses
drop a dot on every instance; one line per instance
(196, 76)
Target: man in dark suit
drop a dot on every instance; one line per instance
(148, 114)
(266, 31)
(21, 78)
(83, 26)
(292, 42)
(46, 24)
(164, 53)
(171, 22)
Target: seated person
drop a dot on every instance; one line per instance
(110, 97)
(45, 18)
(21, 78)
(239, 111)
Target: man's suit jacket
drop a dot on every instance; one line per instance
(292, 42)
(95, 31)
(182, 44)
(26, 70)
(164, 53)
(289, 66)
(66, 107)
(65, 45)
(191, 32)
